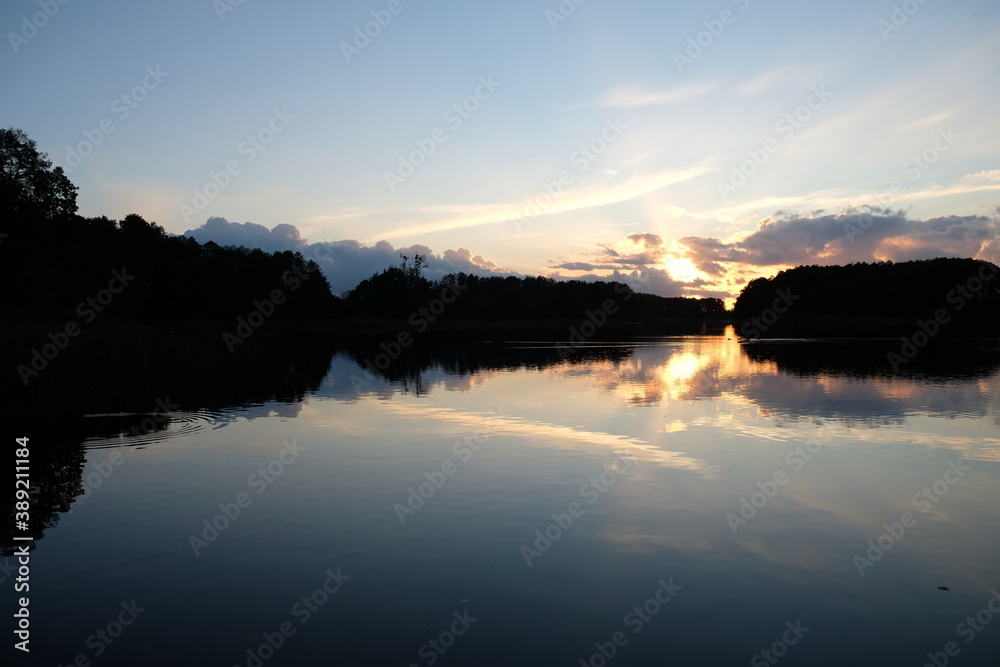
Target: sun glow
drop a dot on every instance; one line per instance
(682, 269)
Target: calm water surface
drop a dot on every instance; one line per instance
(671, 501)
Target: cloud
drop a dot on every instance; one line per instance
(935, 119)
(607, 258)
(248, 234)
(648, 239)
(463, 258)
(576, 266)
(593, 194)
(647, 280)
(978, 182)
(642, 271)
(868, 235)
(344, 263)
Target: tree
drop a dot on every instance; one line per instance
(29, 185)
(413, 272)
(135, 226)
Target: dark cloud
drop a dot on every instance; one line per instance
(576, 266)
(866, 235)
(608, 250)
(642, 259)
(652, 254)
(647, 239)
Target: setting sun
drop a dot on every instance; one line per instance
(682, 269)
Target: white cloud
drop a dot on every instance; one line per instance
(593, 194)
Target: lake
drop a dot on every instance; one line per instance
(665, 500)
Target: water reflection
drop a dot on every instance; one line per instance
(847, 381)
(708, 422)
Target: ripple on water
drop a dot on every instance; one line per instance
(132, 429)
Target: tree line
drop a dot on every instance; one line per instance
(399, 291)
(962, 294)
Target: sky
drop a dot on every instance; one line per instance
(681, 147)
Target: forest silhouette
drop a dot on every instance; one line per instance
(952, 296)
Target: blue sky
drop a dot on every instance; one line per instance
(602, 123)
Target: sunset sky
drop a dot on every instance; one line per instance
(682, 147)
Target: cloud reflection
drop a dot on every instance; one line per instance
(717, 380)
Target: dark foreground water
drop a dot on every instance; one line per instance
(671, 501)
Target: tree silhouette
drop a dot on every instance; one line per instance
(394, 293)
(29, 185)
(877, 295)
(399, 291)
